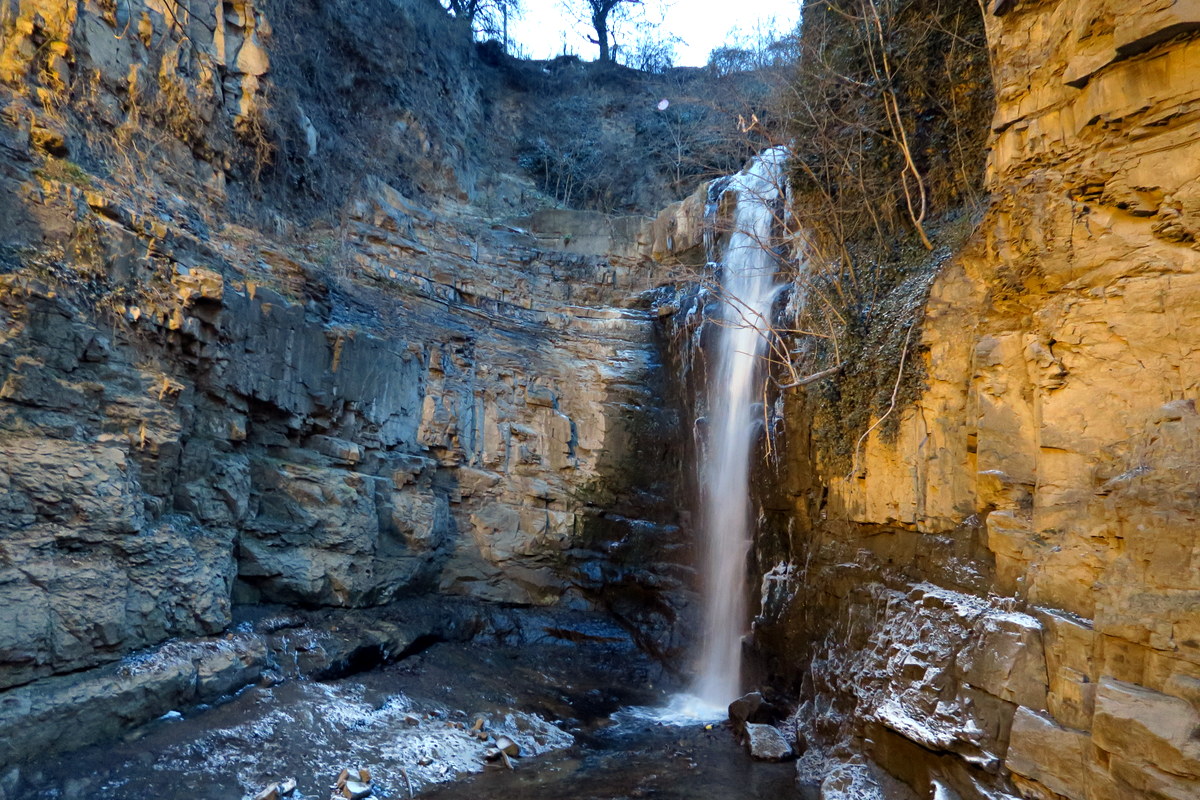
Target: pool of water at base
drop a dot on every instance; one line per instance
(637, 760)
(409, 723)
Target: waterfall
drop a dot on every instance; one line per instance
(735, 386)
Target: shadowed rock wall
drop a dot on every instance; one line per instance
(196, 415)
(411, 431)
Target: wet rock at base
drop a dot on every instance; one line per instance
(753, 708)
(355, 790)
(851, 782)
(766, 743)
(274, 791)
(271, 792)
(743, 710)
(861, 780)
(508, 746)
(353, 784)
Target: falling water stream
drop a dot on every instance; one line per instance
(734, 390)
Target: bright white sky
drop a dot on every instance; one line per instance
(545, 25)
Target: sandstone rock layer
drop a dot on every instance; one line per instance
(1013, 577)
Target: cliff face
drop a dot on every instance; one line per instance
(1012, 580)
(198, 416)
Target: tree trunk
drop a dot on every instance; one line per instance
(600, 23)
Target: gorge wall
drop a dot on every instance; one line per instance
(224, 391)
(1000, 598)
(212, 399)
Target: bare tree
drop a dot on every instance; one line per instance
(489, 17)
(652, 52)
(602, 14)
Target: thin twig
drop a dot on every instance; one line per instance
(816, 376)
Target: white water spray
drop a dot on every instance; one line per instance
(734, 389)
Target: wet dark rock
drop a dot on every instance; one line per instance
(355, 790)
(10, 782)
(353, 784)
(743, 709)
(271, 647)
(73, 710)
(753, 708)
(767, 743)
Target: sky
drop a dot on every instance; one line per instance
(545, 25)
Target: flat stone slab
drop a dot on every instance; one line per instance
(766, 743)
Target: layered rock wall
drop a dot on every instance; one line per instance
(422, 429)
(197, 416)
(1012, 578)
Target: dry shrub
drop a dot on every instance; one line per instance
(878, 82)
(594, 136)
(888, 107)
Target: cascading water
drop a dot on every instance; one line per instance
(734, 388)
(735, 383)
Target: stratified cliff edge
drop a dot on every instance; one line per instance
(1004, 598)
(213, 398)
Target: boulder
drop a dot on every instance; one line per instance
(356, 790)
(753, 707)
(270, 792)
(743, 710)
(767, 743)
